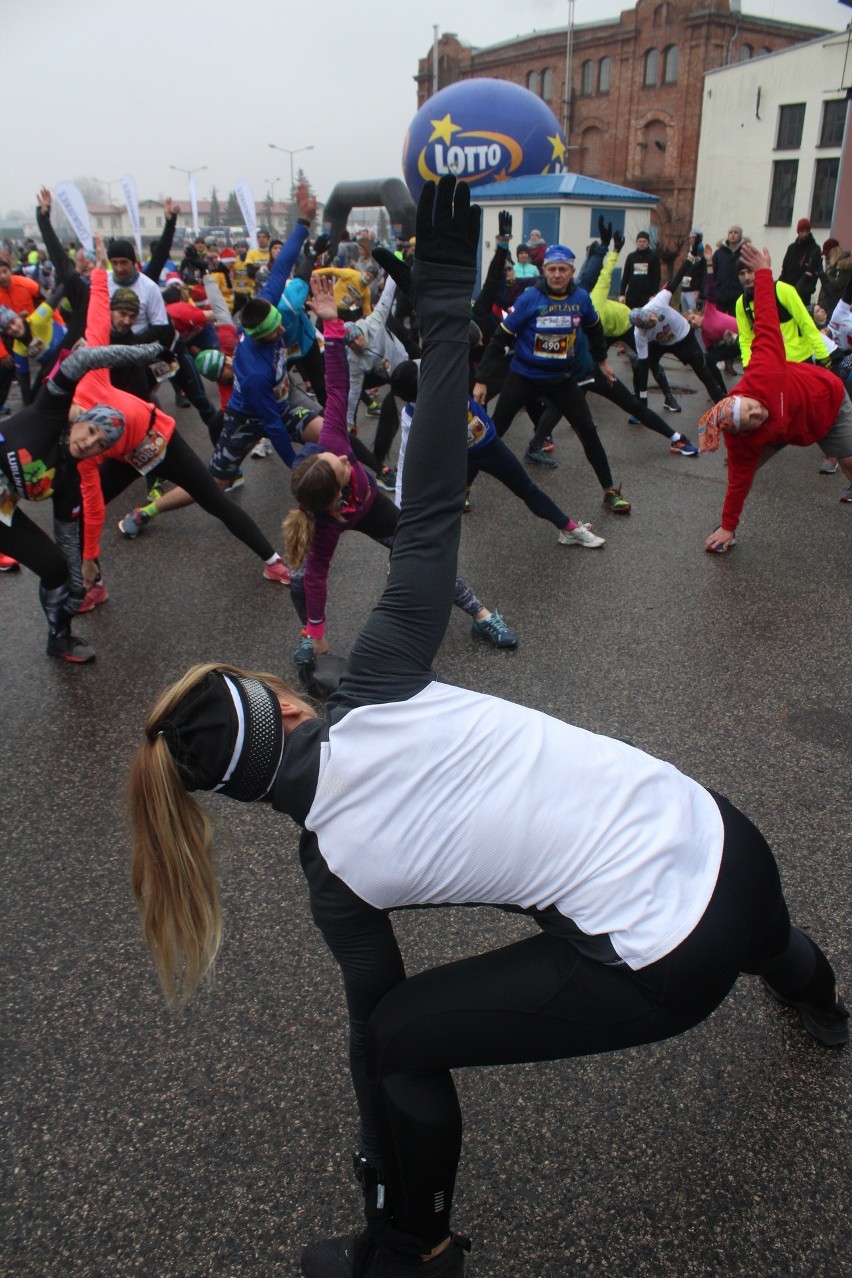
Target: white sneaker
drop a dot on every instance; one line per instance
(261, 450)
(582, 535)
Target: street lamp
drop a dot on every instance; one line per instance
(189, 172)
(287, 151)
(271, 184)
(109, 183)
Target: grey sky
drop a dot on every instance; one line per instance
(199, 82)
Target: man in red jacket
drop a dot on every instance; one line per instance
(776, 403)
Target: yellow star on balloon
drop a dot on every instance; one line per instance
(558, 147)
(444, 129)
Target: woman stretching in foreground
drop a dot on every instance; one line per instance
(651, 894)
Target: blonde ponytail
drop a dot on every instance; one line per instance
(298, 530)
(172, 872)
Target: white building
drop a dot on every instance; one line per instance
(774, 138)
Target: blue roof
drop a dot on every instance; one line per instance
(572, 186)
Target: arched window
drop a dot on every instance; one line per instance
(604, 75)
(532, 81)
(652, 67)
(547, 84)
(591, 152)
(587, 77)
(745, 54)
(670, 64)
(654, 144)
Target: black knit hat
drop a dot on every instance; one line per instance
(227, 734)
(122, 248)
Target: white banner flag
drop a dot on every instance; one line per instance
(131, 199)
(193, 204)
(246, 201)
(71, 201)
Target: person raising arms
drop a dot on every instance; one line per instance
(651, 893)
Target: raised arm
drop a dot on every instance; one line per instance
(56, 253)
(161, 250)
(291, 248)
(392, 658)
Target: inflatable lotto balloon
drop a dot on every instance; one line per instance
(482, 131)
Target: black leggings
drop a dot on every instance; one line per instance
(186, 469)
(567, 396)
(617, 393)
(497, 459)
(689, 353)
(542, 1000)
(31, 546)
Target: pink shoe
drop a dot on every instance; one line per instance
(8, 564)
(277, 572)
(96, 594)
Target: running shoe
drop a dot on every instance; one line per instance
(540, 459)
(277, 571)
(262, 449)
(5, 411)
(828, 466)
(69, 647)
(335, 1258)
(495, 631)
(304, 654)
(547, 446)
(8, 564)
(613, 500)
(671, 404)
(237, 481)
(373, 408)
(467, 506)
(133, 523)
(633, 421)
(683, 448)
(96, 594)
(582, 535)
(846, 495)
(386, 478)
(830, 1026)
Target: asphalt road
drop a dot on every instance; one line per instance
(217, 1141)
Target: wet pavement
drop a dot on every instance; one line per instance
(217, 1141)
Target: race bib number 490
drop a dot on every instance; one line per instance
(553, 345)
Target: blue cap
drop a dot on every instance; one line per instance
(557, 253)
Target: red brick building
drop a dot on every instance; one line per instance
(636, 89)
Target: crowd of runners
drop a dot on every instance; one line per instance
(651, 893)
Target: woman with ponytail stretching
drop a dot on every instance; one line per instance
(651, 893)
(336, 493)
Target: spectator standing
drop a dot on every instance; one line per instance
(641, 279)
(802, 262)
(726, 267)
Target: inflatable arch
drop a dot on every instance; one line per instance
(389, 193)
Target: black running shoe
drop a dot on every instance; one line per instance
(829, 1026)
(335, 1258)
(69, 647)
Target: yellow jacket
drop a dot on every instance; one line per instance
(802, 338)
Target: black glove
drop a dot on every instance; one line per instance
(321, 243)
(447, 224)
(398, 270)
(504, 225)
(604, 231)
(617, 241)
(446, 233)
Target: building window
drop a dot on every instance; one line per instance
(652, 68)
(745, 54)
(784, 174)
(100, 223)
(142, 220)
(533, 81)
(670, 64)
(604, 75)
(587, 78)
(592, 152)
(547, 84)
(791, 121)
(662, 15)
(159, 221)
(833, 122)
(825, 189)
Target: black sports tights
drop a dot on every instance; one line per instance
(541, 1000)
